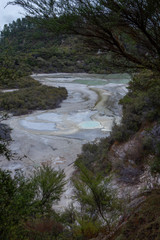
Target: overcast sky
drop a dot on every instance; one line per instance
(9, 14)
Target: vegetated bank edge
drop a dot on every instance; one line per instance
(31, 96)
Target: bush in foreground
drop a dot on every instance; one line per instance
(26, 203)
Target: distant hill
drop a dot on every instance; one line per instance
(44, 51)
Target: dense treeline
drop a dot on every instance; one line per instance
(26, 35)
(17, 61)
(28, 94)
(52, 52)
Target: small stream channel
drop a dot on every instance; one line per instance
(87, 114)
(56, 136)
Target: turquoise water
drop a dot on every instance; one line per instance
(101, 82)
(104, 79)
(91, 82)
(90, 125)
(120, 81)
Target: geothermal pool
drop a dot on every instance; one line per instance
(56, 136)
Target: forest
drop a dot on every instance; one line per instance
(50, 51)
(95, 37)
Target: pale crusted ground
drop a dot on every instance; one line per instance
(56, 136)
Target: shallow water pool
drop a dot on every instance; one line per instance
(90, 125)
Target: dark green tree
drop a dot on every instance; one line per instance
(16, 202)
(130, 29)
(7, 69)
(5, 138)
(26, 203)
(95, 196)
(49, 185)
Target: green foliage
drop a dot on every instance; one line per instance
(95, 196)
(155, 165)
(129, 29)
(11, 68)
(50, 52)
(5, 138)
(94, 156)
(86, 229)
(141, 105)
(20, 82)
(32, 98)
(16, 201)
(49, 186)
(26, 201)
(44, 228)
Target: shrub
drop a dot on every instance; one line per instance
(43, 228)
(86, 229)
(32, 98)
(155, 165)
(21, 82)
(49, 186)
(140, 105)
(94, 156)
(95, 196)
(26, 203)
